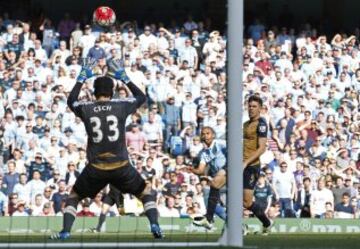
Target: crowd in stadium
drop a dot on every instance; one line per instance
(309, 84)
(43, 144)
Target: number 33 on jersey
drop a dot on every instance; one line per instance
(105, 125)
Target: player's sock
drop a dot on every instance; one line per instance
(69, 214)
(149, 202)
(259, 213)
(213, 200)
(101, 221)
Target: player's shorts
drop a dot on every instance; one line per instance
(126, 179)
(114, 197)
(251, 175)
(213, 172)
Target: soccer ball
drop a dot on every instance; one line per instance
(104, 16)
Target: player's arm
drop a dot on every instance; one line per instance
(200, 170)
(85, 73)
(262, 140)
(137, 93)
(118, 72)
(73, 96)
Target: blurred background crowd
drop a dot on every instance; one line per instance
(310, 86)
(308, 81)
(42, 143)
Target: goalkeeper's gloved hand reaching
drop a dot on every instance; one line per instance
(87, 70)
(117, 71)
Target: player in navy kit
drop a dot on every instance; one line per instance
(113, 197)
(104, 121)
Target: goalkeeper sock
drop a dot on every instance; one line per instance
(69, 214)
(149, 202)
(259, 213)
(213, 200)
(101, 221)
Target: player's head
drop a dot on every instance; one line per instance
(103, 87)
(254, 106)
(262, 178)
(207, 135)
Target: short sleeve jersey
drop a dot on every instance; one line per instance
(262, 194)
(253, 130)
(105, 125)
(214, 157)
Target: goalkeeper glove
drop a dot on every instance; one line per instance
(117, 71)
(87, 70)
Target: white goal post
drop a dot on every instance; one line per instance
(233, 231)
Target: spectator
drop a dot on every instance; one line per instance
(13, 200)
(20, 209)
(36, 185)
(96, 205)
(3, 204)
(169, 210)
(285, 189)
(87, 40)
(148, 172)
(135, 138)
(303, 198)
(71, 174)
(172, 120)
(85, 212)
(344, 208)
(53, 182)
(47, 210)
(349, 187)
(152, 130)
(146, 39)
(96, 51)
(66, 26)
(11, 178)
(339, 190)
(319, 198)
(41, 165)
(37, 206)
(21, 188)
(59, 196)
(172, 187)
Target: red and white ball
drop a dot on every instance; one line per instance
(104, 16)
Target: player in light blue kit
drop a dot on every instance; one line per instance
(212, 156)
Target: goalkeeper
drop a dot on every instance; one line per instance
(107, 154)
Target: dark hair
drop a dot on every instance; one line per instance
(209, 128)
(346, 194)
(306, 179)
(103, 86)
(256, 99)
(22, 174)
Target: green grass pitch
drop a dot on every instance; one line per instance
(273, 241)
